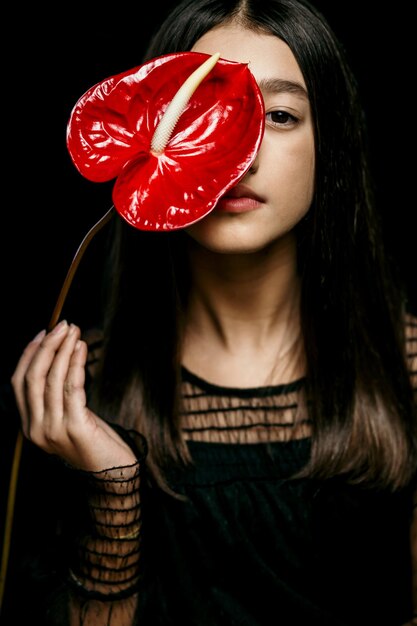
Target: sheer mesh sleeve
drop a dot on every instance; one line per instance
(105, 562)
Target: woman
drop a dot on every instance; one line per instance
(246, 449)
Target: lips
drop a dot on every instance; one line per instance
(242, 191)
(239, 199)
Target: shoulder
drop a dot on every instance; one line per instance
(411, 346)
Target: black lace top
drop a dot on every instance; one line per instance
(243, 544)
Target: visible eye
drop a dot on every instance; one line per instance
(280, 118)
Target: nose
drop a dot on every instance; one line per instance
(254, 167)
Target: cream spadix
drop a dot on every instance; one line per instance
(177, 105)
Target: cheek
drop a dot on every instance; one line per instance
(293, 175)
(306, 175)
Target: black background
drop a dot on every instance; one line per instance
(58, 52)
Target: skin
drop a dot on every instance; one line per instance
(49, 387)
(243, 319)
(283, 171)
(243, 313)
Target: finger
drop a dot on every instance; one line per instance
(18, 378)
(74, 389)
(35, 379)
(55, 385)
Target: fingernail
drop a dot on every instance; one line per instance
(59, 327)
(38, 338)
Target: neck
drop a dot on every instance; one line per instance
(243, 312)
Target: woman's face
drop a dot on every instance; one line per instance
(277, 191)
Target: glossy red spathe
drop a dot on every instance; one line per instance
(212, 146)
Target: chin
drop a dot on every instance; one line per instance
(229, 237)
(237, 239)
(223, 244)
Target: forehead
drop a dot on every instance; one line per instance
(268, 56)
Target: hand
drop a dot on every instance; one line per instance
(50, 394)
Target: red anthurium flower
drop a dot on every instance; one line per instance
(209, 145)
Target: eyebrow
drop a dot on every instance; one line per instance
(279, 85)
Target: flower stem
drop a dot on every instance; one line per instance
(74, 265)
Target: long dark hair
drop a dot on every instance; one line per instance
(352, 313)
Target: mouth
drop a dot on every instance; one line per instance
(239, 199)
